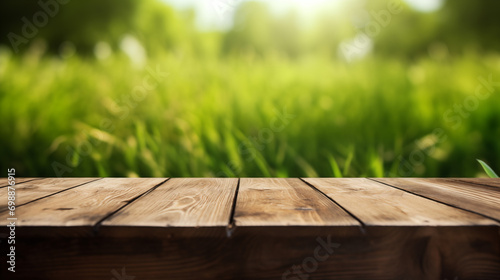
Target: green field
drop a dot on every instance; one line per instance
(248, 116)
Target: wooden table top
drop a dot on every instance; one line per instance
(95, 203)
(252, 228)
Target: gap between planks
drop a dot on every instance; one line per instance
(232, 225)
(393, 182)
(48, 181)
(99, 223)
(24, 180)
(361, 223)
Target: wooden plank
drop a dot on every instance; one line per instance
(376, 204)
(286, 202)
(37, 189)
(4, 182)
(464, 186)
(468, 184)
(493, 182)
(84, 205)
(478, 199)
(181, 202)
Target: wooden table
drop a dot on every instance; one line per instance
(252, 228)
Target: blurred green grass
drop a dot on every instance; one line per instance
(221, 116)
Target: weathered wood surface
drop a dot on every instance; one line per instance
(4, 182)
(31, 191)
(254, 228)
(378, 205)
(181, 202)
(286, 202)
(481, 199)
(480, 181)
(85, 205)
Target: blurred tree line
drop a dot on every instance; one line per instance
(457, 26)
(84, 23)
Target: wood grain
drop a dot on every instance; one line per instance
(494, 182)
(478, 199)
(181, 202)
(84, 205)
(380, 205)
(38, 189)
(286, 202)
(4, 182)
(282, 227)
(261, 253)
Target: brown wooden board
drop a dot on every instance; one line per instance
(269, 253)
(286, 202)
(38, 189)
(494, 182)
(181, 202)
(477, 199)
(378, 204)
(85, 205)
(4, 182)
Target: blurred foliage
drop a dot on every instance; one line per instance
(84, 23)
(81, 22)
(268, 97)
(459, 25)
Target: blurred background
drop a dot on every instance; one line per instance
(249, 88)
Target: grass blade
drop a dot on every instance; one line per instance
(488, 169)
(335, 167)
